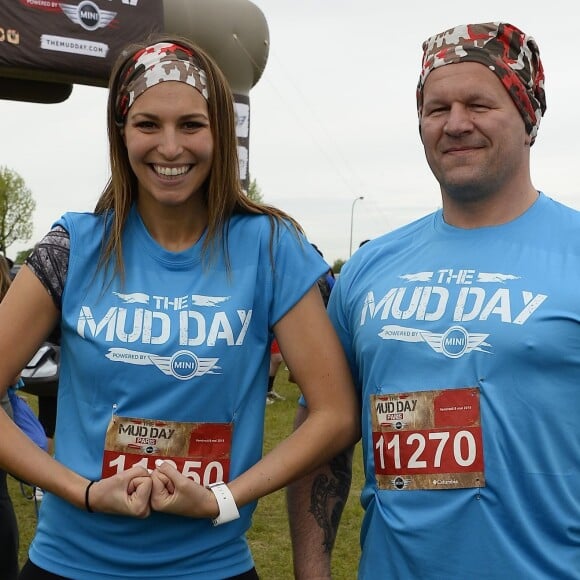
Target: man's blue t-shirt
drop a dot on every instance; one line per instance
(465, 348)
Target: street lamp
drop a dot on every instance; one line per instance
(351, 221)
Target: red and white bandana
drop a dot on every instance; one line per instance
(160, 62)
(508, 52)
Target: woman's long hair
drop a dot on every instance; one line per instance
(222, 193)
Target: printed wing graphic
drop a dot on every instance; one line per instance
(207, 365)
(72, 13)
(201, 300)
(435, 341)
(163, 363)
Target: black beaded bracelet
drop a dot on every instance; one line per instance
(87, 503)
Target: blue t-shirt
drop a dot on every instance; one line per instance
(181, 340)
(493, 312)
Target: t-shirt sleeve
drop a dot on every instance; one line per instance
(296, 268)
(49, 262)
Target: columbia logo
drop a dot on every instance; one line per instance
(130, 2)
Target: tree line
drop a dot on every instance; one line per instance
(16, 209)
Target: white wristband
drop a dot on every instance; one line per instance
(226, 503)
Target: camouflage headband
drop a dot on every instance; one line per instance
(509, 53)
(160, 62)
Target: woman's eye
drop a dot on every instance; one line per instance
(145, 125)
(193, 125)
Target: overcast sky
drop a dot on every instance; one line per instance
(333, 118)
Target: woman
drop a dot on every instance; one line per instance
(168, 297)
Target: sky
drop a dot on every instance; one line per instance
(332, 119)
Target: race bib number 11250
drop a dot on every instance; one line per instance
(200, 451)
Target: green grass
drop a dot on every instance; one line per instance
(269, 537)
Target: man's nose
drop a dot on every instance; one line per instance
(459, 119)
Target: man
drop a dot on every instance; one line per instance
(463, 334)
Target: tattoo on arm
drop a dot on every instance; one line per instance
(328, 497)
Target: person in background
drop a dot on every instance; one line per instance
(462, 332)
(9, 536)
(168, 296)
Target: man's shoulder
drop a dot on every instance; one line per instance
(559, 207)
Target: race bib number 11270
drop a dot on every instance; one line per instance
(428, 439)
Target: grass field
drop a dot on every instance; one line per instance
(269, 536)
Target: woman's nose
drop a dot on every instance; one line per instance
(170, 146)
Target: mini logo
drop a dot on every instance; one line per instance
(455, 342)
(400, 482)
(88, 15)
(184, 365)
(147, 449)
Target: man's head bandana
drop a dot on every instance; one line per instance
(509, 53)
(160, 62)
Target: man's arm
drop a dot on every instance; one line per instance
(315, 506)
